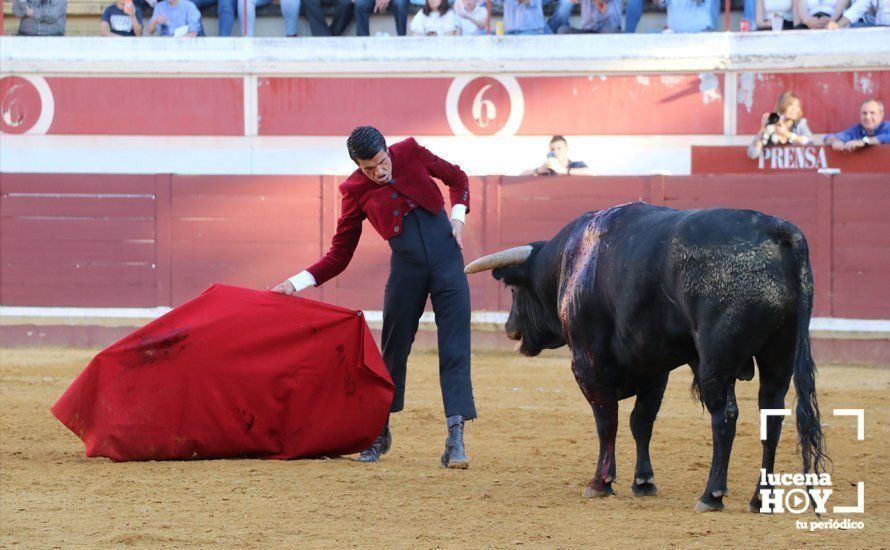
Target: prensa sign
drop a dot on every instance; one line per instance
(788, 159)
(792, 158)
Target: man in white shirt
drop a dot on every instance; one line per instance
(472, 17)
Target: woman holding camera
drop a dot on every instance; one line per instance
(785, 126)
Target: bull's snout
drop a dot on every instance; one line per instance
(513, 334)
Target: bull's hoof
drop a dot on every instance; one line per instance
(644, 489)
(714, 506)
(598, 490)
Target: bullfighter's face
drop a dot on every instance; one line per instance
(378, 168)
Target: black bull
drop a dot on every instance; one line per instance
(637, 290)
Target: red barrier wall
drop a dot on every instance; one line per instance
(675, 104)
(145, 241)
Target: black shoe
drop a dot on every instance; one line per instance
(379, 448)
(455, 455)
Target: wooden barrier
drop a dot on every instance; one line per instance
(74, 240)
(812, 159)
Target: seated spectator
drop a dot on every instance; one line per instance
(775, 14)
(689, 15)
(558, 162)
(597, 16)
(817, 14)
(246, 10)
(561, 14)
(472, 16)
(223, 17)
(785, 126)
(871, 129)
(635, 13)
(318, 24)
(864, 13)
(524, 17)
(363, 10)
(175, 18)
(40, 17)
(435, 19)
(121, 19)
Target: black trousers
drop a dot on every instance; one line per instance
(426, 261)
(318, 24)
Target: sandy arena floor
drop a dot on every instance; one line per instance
(532, 451)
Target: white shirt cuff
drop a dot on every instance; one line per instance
(302, 280)
(459, 212)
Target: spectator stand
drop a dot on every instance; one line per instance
(83, 18)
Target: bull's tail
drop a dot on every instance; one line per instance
(809, 425)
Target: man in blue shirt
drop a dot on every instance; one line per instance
(871, 129)
(525, 17)
(175, 18)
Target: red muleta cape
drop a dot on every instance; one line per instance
(234, 372)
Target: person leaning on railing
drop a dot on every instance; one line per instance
(40, 17)
(558, 162)
(871, 130)
(785, 126)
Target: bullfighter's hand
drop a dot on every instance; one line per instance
(456, 227)
(285, 287)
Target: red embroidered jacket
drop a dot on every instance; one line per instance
(413, 169)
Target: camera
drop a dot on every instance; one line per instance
(769, 133)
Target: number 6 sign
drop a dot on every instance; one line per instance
(484, 105)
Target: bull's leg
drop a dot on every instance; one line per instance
(775, 377)
(605, 411)
(603, 400)
(641, 420)
(718, 394)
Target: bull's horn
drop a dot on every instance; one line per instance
(504, 258)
